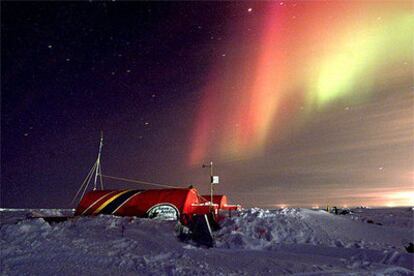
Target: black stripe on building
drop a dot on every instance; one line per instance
(108, 209)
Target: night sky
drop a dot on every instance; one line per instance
(297, 103)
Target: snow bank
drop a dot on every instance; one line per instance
(258, 228)
(253, 242)
(13, 215)
(103, 245)
(303, 231)
(395, 217)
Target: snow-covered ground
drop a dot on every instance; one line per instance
(252, 242)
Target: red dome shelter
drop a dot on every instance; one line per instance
(168, 203)
(162, 203)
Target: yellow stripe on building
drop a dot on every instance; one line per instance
(109, 201)
(96, 201)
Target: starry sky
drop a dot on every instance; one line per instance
(297, 103)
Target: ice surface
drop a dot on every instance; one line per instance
(251, 242)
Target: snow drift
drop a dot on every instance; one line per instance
(253, 242)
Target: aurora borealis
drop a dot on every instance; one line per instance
(298, 103)
(303, 60)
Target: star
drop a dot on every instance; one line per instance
(249, 9)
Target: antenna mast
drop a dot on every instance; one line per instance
(213, 180)
(98, 170)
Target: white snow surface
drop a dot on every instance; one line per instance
(251, 242)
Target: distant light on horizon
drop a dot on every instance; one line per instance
(390, 204)
(402, 198)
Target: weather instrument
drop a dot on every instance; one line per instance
(213, 180)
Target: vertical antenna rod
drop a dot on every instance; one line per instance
(98, 165)
(211, 184)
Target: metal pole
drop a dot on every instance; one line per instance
(100, 176)
(211, 186)
(98, 162)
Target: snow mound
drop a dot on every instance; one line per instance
(395, 217)
(266, 229)
(102, 245)
(257, 228)
(15, 215)
(252, 242)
